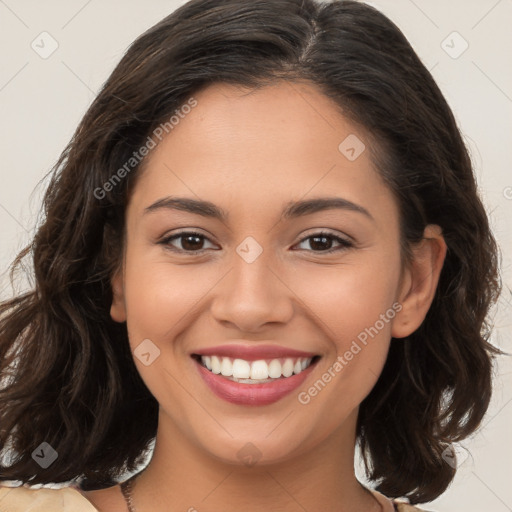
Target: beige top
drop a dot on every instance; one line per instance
(70, 499)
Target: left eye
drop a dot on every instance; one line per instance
(321, 239)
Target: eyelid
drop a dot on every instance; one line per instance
(327, 232)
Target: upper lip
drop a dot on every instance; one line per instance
(253, 352)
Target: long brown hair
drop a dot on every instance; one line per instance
(67, 373)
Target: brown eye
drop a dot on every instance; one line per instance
(190, 242)
(322, 242)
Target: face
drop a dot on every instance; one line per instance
(325, 281)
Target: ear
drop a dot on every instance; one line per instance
(118, 307)
(419, 282)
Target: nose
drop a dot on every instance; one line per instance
(253, 294)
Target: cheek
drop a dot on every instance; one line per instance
(347, 298)
(160, 297)
(354, 305)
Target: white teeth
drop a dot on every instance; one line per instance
(288, 368)
(226, 367)
(260, 370)
(241, 369)
(215, 364)
(274, 369)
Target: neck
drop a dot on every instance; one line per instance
(183, 474)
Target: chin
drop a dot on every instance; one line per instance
(248, 450)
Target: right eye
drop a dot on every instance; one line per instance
(191, 242)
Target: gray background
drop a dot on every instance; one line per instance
(43, 99)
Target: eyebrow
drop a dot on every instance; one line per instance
(293, 209)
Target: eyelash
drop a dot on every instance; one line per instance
(345, 244)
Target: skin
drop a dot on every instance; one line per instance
(250, 153)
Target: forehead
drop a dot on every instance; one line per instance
(259, 146)
(291, 120)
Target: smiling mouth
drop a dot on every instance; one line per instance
(255, 372)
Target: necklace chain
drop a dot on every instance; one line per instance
(127, 487)
(126, 490)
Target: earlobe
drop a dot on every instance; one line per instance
(118, 307)
(420, 282)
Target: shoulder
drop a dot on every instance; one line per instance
(42, 499)
(396, 504)
(405, 507)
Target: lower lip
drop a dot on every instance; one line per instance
(252, 394)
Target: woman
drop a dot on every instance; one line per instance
(262, 248)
